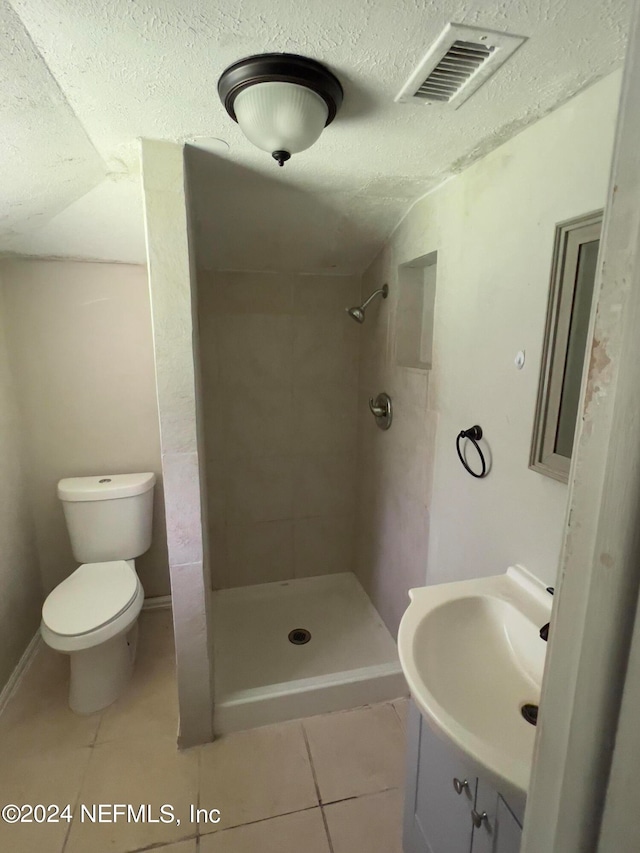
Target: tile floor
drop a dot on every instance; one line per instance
(327, 784)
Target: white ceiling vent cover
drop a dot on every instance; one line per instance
(457, 64)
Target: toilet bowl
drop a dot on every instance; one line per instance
(92, 615)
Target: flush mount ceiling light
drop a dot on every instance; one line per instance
(281, 101)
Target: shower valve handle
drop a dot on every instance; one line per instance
(381, 410)
(377, 411)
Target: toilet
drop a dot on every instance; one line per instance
(92, 615)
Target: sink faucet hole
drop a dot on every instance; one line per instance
(530, 712)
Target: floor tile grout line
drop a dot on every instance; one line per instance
(95, 737)
(160, 845)
(361, 796)
(326, 830)
(196, 835)
(317, 787)
(397, 713)
(259, 820)
(311, 764)
(76, 801)
(90, 747)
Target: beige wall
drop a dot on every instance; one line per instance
(79, 337)
(493, 228)
(20, 583)
(279, 372)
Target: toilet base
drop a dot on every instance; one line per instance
(100, 674)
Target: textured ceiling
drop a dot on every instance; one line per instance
(82, 80)
(47, 160)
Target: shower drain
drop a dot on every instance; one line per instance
(530, 713)
(299, 636)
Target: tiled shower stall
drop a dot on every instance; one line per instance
(286, 506)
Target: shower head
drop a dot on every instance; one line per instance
(358, 311)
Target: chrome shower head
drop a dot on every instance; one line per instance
(358, 312)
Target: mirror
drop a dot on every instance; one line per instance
(573, 275)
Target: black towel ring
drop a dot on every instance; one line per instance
(474, 434)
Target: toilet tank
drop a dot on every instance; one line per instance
(108, 517)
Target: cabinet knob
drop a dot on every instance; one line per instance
(460, 786)
(477, 818)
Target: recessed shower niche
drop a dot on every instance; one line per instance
(416, 300)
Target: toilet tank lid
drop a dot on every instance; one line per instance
(105, 487)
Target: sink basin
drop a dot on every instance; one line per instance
(472, 656)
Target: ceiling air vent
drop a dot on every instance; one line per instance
(457, 64)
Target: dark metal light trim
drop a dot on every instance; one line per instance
(281, 68)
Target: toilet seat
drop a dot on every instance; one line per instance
(90, 598)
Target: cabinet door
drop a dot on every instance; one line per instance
(484, 836)
(437, 819)
(499, 832)
(508, 830)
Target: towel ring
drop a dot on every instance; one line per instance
(474, 434)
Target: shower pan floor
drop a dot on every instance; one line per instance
(261, 677)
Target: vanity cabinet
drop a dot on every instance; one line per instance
(447, 808)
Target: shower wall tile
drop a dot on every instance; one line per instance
(173, 291)
(255, 349)
(321, 294)
(260, 488)
(258, 419)
(175, 384)
(324, 419)
(407, 461)
(325, 349)
(215, 415)
(190, 604)
(323, 485)
(412, 388)
(182, 502)
(218, 553)
(248, 293)
(260, 553)
(323, 545)
(279, 373)
(217, 466)
(395, 468)
(209, 358)
(403, 544)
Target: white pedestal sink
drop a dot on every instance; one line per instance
(472, 656)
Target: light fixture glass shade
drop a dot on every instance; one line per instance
(277, 116)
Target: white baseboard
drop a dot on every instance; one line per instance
(157, 602)
(20, 671)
